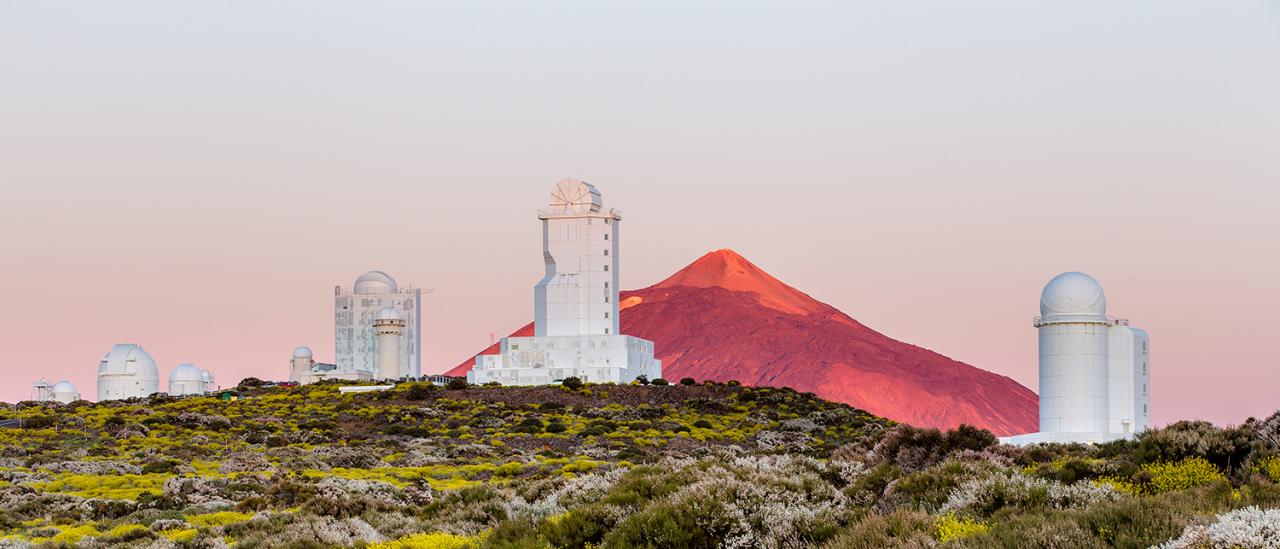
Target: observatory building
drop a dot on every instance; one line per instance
(357, 339)
(62, 391)
(1094, 369)
(575, 304)
(186, 379)
(303, 369)
(127, 371)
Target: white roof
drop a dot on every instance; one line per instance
(128, 358)
(186, 372)
(302, 352)
(375, 282)
(206, 375)
(65, 387)
(1073, 293)
(387, 313)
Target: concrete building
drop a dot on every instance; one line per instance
(304, 370)
(356, 340)
(388, 326)
(1094, 369)
(62, 391)
(127, 371)
(575, 304)
(186, 380)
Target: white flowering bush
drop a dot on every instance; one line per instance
(1249, 528)
(988, 494)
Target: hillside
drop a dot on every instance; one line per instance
(722, 318)
(705, 466)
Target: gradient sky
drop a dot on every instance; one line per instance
(197, 176)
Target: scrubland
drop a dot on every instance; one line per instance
(682, 465)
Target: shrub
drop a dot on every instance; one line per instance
(688, 381)
(581, 527)
(897, 529)
(642, 380)
(1270, 467)
(457, 384)
(571, 383)
(556, 427)
(419, 391)
(437, 540)
(1243, 528)
(1191, 472)
(948, 528)
(660, 381)
(531, 425)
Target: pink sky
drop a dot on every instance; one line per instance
(196, 180)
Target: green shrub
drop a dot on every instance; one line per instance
(660, 381)
(556, 427)
(577, 528)
(897, 529)
(571, 383)
(457, 384)
(688, 381)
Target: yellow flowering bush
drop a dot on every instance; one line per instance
(949, 527)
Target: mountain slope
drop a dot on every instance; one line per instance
(722, 318)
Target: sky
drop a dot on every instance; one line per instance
(196, 177)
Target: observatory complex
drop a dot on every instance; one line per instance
(187, 379)
(62, 391)
(575, 304)
(1094, 369)
(360, 340)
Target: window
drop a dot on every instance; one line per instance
(1144, 389)
(606, 285)
(606, 331)
(1144, 409)
(1144, 368)
(606, 268)
(606, 236)
(606, 253)
(606, 315)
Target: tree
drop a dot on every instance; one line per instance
(661, 381)
(571, 383)
(457, 384)
(688, 381)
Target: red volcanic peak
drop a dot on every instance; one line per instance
(722, 318)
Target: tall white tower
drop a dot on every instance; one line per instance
(1074, 359)
(1094, 369)
(127, 371)
(575, 304)
(579, 293)
(389, 326)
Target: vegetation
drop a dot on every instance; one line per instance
(586, 465)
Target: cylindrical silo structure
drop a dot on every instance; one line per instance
(389, 327)
(1074, 387)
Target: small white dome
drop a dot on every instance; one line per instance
(1073, 293)
(186, 372)
(64, 387)
(129, 358)
(375, 282)
(302, 352)
(387, 313)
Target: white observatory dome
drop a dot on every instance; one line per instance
(571, 196)
(186, 379)
(375, 282)
(387, 313)
(65, 392)
(127, 371)
(1073, 293)
(302, 352)
(186, 372)
(206, 376)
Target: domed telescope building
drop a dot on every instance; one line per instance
(63, 391)
(1094, 369)
(127, 371)
(576, 330)
(356, 338)
(186, 379)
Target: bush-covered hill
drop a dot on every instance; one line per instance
(710, 465)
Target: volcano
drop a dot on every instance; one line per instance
(722, 318)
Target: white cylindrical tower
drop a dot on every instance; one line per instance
(185, 380)
(301, 364)
(1074, 387)
(127, 371)
(209, 384)
(388, 325)
(65, 392)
